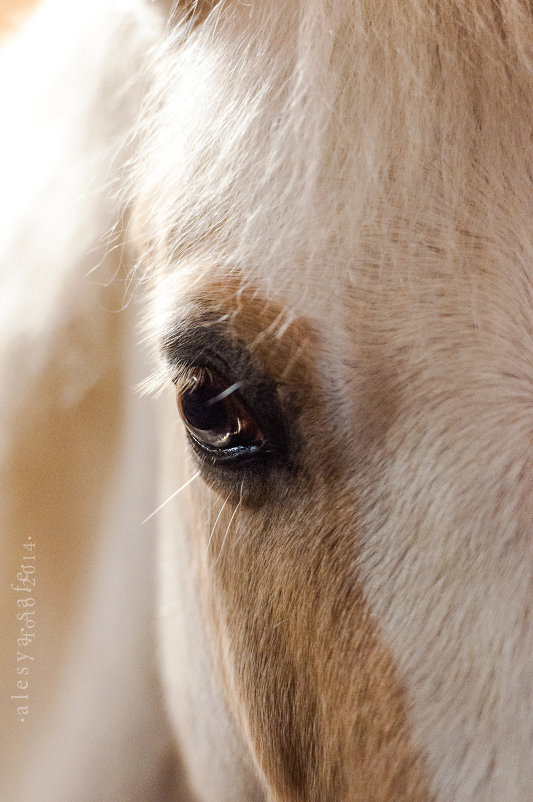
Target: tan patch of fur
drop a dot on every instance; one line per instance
(13, 13)
(313, 687)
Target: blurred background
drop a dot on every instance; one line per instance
(13, 14)
(78, 460)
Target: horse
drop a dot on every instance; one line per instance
(326, 209)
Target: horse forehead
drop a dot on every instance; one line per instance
(305, 185)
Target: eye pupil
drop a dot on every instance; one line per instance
(199, 412)
(217, 418)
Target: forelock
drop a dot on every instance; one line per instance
(282, 139)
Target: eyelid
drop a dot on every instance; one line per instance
(187, 376)
(184, 374)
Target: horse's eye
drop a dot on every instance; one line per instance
(217, 419)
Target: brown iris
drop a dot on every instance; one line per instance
(216, 417)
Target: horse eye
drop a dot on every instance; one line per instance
(217, 419)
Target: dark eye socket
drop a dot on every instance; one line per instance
(217, 419)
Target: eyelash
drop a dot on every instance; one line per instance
(185, 377)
